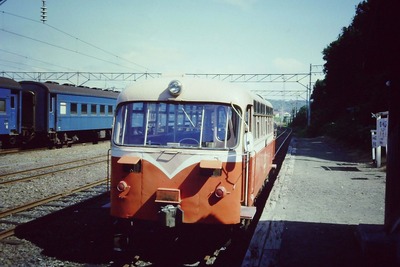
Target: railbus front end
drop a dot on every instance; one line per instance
(186, 156)
(177, 158)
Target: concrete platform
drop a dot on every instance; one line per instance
(317, 211)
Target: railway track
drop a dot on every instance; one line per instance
(41, 202)
(282, 141)
(38, 147)
(86, 234)
(31, 174)
(42, 181)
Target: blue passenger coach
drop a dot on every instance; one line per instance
(62, 114)
(10, 115)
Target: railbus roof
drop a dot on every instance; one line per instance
(193, 89)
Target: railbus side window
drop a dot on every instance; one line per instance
(248, 118)
(120, 126)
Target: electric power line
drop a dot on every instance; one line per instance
(8, 66)
(33, 59)
(61, 47)
(19, 63)
(74, 37)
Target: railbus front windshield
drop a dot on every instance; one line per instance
(166, 124)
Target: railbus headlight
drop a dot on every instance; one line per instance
(121, 186)
(220, 192)
(175, 87)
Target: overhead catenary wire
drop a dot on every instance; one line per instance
(63, 48)
(19, 63)
(73, 37)
(11, 67)
(33, 59)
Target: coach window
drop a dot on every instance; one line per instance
(93, 109)
(12, 102)
(84, 109)
(2, 105)
(110, 110)
(63, 108)
(74, 108)
(102, 109)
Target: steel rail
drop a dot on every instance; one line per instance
(10, 231)
(47, 167)
(48, 173)
(284, 141)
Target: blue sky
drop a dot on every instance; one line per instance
(180, 36)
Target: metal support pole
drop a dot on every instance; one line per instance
(378, 150)
(308, 100)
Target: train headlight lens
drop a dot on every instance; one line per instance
(175, 87)
(122, 186)
(220, 192)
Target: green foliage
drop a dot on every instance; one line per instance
(300, 120)
(358, 64)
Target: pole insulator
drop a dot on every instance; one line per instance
(43, 16)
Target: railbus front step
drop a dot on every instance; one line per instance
(247, 212)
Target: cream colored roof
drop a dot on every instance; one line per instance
(194, 89)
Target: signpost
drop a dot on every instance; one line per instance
(379, 136)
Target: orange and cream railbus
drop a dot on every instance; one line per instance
(189, 151)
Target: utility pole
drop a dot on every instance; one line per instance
(308, 100)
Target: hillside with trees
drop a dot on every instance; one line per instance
(360, 66)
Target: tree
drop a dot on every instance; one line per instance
(356, 69)
(300, 120)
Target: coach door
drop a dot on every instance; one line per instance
(52, 115)
(3, 113)
(13, 112)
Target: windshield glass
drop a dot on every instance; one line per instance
(176, 125)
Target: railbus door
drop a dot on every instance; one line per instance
(250, 157)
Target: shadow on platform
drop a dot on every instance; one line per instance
(311, 244)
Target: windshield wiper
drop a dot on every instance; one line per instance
(187, 116)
